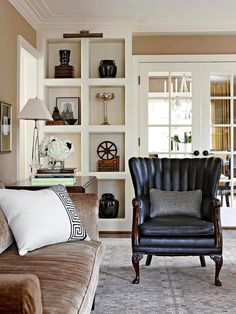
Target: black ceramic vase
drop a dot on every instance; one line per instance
(109, 206)
(56, 114)
(64, 56)
(107, 68)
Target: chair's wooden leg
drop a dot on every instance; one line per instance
(218, 259)
(148, 260)
(136, 257)
(221, 198)
(202, 260)
(93, 306)
(227, 200)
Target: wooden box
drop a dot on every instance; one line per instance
(64, 71)
(109, 165)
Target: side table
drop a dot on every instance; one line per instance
(84, 184)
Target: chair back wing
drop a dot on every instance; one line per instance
(175, 174)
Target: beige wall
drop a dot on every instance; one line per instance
(196, 44)
(11, 24)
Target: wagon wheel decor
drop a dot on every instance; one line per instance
(107, 150)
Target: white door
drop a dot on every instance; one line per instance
(169, 114)
(219, 114)
(191, 107)
(27, 88)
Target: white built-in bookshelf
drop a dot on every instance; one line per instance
(86, 54)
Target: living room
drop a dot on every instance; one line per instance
(171, 77)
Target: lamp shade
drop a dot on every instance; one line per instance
(35, 109)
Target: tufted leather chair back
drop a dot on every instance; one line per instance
(175, 174)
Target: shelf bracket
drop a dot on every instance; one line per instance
(139, 80)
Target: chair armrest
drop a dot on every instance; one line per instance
(20, 293)
(215, 204)
(141, 209)
(211, 211)
(87, 206)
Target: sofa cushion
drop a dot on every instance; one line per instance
(6, 237)
(39, 218)
(175, 203)
(177, 226)
(68, 273)
(20, 293)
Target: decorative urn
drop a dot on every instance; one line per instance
(107, 68)
(109, 206)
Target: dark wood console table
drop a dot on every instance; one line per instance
(83, 185)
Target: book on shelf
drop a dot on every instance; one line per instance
(55, 175)
(68, 181)
(55, 170)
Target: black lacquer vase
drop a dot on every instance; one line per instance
(109, 206)
(107, 68)
(64, 56)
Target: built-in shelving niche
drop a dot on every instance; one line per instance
(53, 57)
(75, 159)
(106, 49)
(96, 138)
(115, 107)
(117, 188)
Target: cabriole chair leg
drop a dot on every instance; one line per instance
(93, 306)
(136, 257)
(148, 260)
(218, 259)
(202, 260)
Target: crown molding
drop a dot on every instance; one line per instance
(41, 18)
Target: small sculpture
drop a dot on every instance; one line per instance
(64, 70)
(105, 97)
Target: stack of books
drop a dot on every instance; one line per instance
(49, 177)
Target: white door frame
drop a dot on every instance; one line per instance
(142, 59)
(27, 57)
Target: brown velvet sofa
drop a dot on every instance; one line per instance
(60, 278)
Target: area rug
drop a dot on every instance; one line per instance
(175, 285)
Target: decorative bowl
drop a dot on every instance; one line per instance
(71, 121)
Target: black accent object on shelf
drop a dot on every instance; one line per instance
(107, 68)
(109, 206)
(107, 150)
(56, 114)
(64, 56)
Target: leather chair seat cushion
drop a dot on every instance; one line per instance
(176, 226)
(171, 242)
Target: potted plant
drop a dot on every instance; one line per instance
(175, 142)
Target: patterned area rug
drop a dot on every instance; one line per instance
(175, 285)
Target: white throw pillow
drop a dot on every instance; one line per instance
(40, 218)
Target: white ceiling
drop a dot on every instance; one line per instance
(182, 16)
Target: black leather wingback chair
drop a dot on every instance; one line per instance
(172, 235)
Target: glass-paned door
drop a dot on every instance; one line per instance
(167, 117)
(221, 93)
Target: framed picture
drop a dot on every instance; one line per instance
(69, 109)
(5, 127)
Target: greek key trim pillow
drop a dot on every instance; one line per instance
(40, 218)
